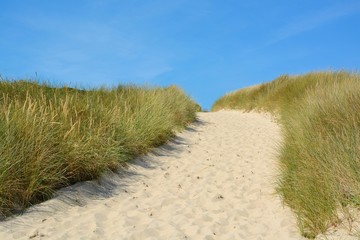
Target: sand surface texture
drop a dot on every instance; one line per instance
(212, 181)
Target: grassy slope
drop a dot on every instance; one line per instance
(320, 156)
(52, 137)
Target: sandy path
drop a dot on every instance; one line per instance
(213, 181)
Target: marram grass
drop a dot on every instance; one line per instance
(319, 173)
(53, 137)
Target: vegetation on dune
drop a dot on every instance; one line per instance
(53, 137)
(319, 173)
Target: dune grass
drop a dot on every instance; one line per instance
(319, 160)
(53, 137)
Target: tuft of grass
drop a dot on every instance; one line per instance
(319, 160)
(53, 137)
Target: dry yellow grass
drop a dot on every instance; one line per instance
(319, 161)
(53, 137)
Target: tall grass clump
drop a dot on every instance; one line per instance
(53, 137)
(320, 155)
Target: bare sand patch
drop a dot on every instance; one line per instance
(213, 181)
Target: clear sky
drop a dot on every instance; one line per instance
(207, 47)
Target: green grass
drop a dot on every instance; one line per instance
(319, 160)
(53, 137)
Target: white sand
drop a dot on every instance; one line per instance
(213, 181)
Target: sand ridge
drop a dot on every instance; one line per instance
(214, 180)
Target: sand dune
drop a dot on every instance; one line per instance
(213, 181)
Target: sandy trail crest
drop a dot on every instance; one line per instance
(213, 181)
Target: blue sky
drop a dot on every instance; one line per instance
(206, 47)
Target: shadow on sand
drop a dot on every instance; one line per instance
(109, 184)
